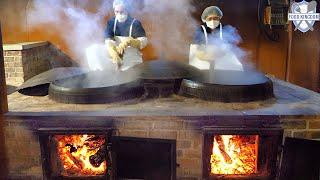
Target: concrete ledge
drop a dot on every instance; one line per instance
(24, 45)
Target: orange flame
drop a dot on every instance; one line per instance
(234, 154)
(74, 152)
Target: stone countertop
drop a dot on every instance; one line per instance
(24, 45)
(290, 101)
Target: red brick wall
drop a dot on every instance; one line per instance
(21, 65)
(24, 151)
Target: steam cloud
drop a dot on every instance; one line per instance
(78, 27)
(171, 25)
(168, 23)
(226, 54)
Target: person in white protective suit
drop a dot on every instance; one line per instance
(124, 37)
(204, 54)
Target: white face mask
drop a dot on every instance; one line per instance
(121, 17)
(213, 24)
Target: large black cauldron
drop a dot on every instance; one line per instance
(228, 86)
(97, 87)
(163, 78)
(156, 78)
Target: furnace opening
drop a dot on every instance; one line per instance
(80, 155)
(234, 154)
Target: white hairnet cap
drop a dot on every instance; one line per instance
(119, 2)
(211, 10)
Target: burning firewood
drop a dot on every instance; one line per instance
(94, 142)
(223, 152)
(241, 148)
(76, 162)
(72, 148)
(97, 159)
(75, 152)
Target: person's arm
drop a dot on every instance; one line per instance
(108, 33)
(198, 37)
(111, 43)
(139, 34)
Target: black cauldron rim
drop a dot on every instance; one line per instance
(97, 95)
(165, 70)
(188, 78)
(96, 90)
(228, 93)
(204, 74)
(78, 90)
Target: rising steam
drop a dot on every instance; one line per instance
(225, 54)
(228, 54)
(168, 23)
(171, 25)
(78, 27)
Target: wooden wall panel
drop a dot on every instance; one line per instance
(3, 110)
(266, 55)
(243, 16)
(3, 88)
(305, 58)
(272, 55)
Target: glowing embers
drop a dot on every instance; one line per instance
(234, 154)
(81, 155)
